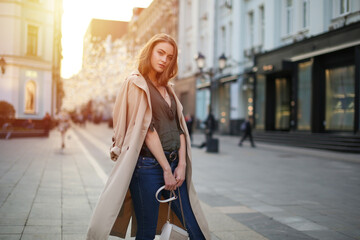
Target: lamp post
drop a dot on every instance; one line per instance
(200, 62)
(212, 145)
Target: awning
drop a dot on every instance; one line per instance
(203, 85)
(229, 79)
(323, 51)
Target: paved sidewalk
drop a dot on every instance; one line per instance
(47, 193)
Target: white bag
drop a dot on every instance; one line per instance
(170, 231)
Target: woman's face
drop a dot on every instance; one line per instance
(161, 56)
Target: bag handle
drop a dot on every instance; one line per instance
(166, 200)
(169, 200)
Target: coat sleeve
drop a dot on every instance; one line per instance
(126, 107)
(119, 114)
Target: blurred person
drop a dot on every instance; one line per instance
(63, 119)
(7, 126)
(151, 147)
(47, 123)
(189, 124)
(246, 127)
(29, 124)
(210, 125)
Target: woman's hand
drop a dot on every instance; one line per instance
(180, 175)
(170, 181)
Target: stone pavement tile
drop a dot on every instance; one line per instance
(11, 229)
(239, 235)
(235, 209)
(264, 208)
(42, 229)
(41, 236)
(80, 221)
(10, 237)
(36, 221)
(215, 200)
(12, 221)
(300, 224)
(353, 232)
(74, 229)
(328, 235)
(74, 236)
(268, 227)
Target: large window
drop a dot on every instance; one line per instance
(304, 96)
(260, 102)
(30, 97)
(289, 16)
(305, 15)
(262, 25)
(251, 29)
(32, 40)
(340, 96)
(344, 6)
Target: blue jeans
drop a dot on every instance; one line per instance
(147, 179)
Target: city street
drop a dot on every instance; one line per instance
(268, 192)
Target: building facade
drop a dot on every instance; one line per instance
(292, 65)
(30, 51)
(309, 79)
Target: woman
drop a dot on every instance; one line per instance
(153, 149)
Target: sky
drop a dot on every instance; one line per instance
(76, 18)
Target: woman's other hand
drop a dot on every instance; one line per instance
(170, 181)
(180, 175)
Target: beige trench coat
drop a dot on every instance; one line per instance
(132, 117)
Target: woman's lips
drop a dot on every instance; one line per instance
(162, 65)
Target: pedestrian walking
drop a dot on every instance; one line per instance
(246, 127)
(63, 125)
(47, 124)
(151, 147)
(189, 124)
(210, 125)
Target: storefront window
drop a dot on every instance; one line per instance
(282, 114)
(30, 93)
(224, 100)
(340, 96)
(260, 102)
(304, 95)
(202, 106)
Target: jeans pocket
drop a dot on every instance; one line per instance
(147, 162)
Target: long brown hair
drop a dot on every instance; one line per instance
(145, 58)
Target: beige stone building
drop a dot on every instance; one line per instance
(30, 53)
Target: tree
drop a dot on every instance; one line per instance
(7, 110)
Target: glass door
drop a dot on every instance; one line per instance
(282, 104)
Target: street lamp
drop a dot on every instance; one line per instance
(212, 145)
(200, 62)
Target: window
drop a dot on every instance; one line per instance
(262, 25)
(30, 97)
(289, 16)
(223, 39)
(32, 40)
(305, 16)
(251, 29)
(340, 98)
(304, 95)
(344, 6)
(260, 102)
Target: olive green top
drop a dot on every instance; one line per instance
(164, 119)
